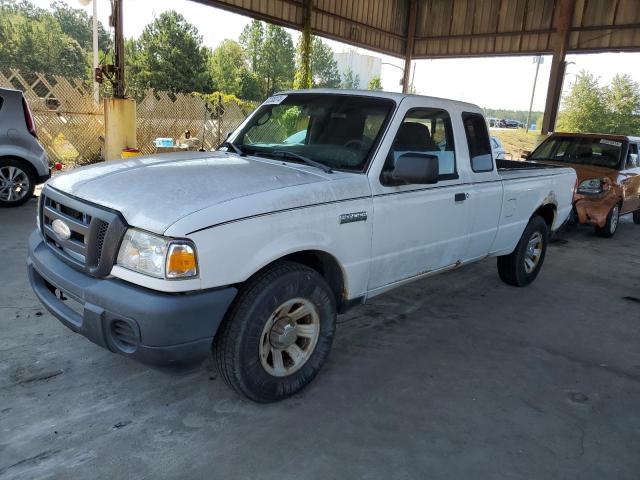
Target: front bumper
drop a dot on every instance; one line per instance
(594, 210)
(162, 330)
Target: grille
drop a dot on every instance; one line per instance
(95, 232)
(124, 335)
(100, 236)
(79, 222)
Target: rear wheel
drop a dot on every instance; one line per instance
(611, 225)
(522, 266)
(16, 183)
(636, 217)
(278, 334)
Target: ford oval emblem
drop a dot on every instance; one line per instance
(62, 230)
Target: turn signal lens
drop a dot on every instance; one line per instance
(181, 261)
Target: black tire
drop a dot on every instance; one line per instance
(25, 174)
(636, 217)
(237, 345)
(611, 225)
(513, 268)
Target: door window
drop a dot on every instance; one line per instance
(478, 141)
(425, 130)
(632, 156)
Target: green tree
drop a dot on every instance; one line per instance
(276, 64)
(584, 108)
(76, 23)
(622, 100)
(374, 84)
(136, 87)
(350, 80)
(324, 69)
(251, 39)
(172, 57)
(32, 40)
(230, 72)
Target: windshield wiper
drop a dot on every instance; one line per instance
(234, 147)
(308, 161)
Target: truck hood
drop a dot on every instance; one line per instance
(154, 192)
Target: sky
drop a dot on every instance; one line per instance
(491, 82)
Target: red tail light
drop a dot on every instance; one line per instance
(31, 126)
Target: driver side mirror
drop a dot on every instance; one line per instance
(416, 168)
(526, 154)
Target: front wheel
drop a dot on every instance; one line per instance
(278, 334)
(636, 217)
(611, 224)
(522, 266)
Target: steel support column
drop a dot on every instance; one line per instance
(563, 22)
(116, 23)
(305, 76)
(411, 33)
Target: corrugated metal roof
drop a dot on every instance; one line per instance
(456, 28)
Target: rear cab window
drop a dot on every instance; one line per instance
(425, 130)
(480, 155)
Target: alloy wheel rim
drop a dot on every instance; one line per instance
(289, 337)
(533, 253)
(614, 219)
(14, 183)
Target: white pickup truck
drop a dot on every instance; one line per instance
(319, 201)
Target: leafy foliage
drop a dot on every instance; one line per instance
(374, 84)
(623, 103)
(171, 56)
(78, 25)
(270, 55)
(614, 108)
(34, 40)
(230, 72)
(350, 80)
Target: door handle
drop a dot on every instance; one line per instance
(461, 197)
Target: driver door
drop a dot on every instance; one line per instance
(418, 229)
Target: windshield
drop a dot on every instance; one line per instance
(600, 152)
(338, 131)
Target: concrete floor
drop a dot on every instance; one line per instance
(455, 377)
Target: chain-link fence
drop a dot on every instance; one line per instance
(70, 124)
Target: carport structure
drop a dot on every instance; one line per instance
(424, 29)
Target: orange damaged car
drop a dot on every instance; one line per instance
(608, 172)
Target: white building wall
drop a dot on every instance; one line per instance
(365, 66)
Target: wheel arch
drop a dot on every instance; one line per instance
(548, 212)
(326, 264)
(29, 166)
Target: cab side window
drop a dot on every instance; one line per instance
(425, 130)
(632, 156)
(480, 154)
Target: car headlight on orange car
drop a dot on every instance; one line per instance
(158, 256)
(594, 186)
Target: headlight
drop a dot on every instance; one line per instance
(157, 256)
(594, 186)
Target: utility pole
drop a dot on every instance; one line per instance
(537, 60)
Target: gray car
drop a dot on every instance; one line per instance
(23, 161)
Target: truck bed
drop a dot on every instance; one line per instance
(518, 169)
(520, 164)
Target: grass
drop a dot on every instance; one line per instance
(516, 141)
